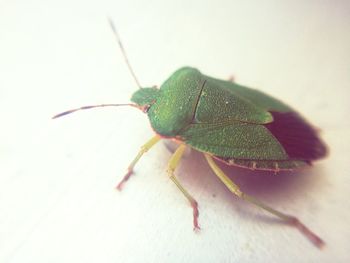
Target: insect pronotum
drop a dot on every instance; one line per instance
(227, 122)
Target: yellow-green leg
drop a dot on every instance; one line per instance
(144, 148)
(173, 163)
(287, 218)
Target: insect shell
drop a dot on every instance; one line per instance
(228, 122)
(234, 124)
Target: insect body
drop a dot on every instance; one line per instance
(232, 123)
(227, 122)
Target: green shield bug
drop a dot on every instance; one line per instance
(230, 123)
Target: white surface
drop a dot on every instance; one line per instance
(57, 202)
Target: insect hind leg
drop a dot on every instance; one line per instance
(144, 148)
(287, 218)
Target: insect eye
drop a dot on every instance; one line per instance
(146, 108)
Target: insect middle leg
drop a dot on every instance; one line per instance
(287, 218)
(144, 148)
(173, 163)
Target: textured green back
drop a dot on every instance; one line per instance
(216, 116)
(220, 102)
(255, 97)
(236, 140)
(176, 102)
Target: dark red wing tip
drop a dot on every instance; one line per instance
(298, 138)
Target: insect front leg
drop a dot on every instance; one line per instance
(144, 148)
(287, 218)
(173, 163)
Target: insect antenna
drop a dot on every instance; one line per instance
(91, 107)
(123, 52)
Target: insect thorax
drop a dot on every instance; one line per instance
(174, 108)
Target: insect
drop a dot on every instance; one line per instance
(227, 122)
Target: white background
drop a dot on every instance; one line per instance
(57, 177)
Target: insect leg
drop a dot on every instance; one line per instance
(173, 163)
(287, 218)
(144, 148)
